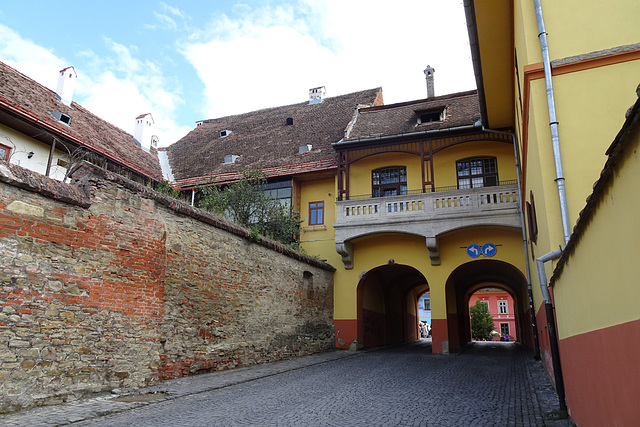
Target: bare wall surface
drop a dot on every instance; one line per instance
(107, 284)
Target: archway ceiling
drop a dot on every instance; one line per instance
(402, 276)
(473, 273)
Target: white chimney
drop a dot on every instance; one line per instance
(428, 72)
(316, 95)
(143, 132)
(66, 82)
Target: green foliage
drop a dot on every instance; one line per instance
(163, 186)
(481, 321)
(243, 203)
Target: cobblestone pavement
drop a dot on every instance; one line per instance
(488, 384)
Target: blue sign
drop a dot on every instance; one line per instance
(473, 250)
(488, 249)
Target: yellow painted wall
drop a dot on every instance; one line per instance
(319, 241)
(444, 162)
(360, 172)
(589, 28)
(598, 286)
(374, 251)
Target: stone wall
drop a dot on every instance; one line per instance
(107, 284)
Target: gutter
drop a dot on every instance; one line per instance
(564, 211)
(553, 123)
(342, 143)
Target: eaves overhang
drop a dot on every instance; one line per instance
(490, 28)
(383, 139)
(35, 127)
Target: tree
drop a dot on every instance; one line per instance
(481, 321)
(245, 204)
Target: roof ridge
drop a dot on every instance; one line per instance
(262, 110)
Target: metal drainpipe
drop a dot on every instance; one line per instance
(536, 341)
(564, 211)
(553, 123)
(551, 325)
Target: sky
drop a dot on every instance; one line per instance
(185, 61)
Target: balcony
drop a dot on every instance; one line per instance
(425, 214)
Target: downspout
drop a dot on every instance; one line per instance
(564, 211)
(553, 123)
(536, 341)
(551, 325)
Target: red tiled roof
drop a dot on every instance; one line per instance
(263, 140)
(33, 103)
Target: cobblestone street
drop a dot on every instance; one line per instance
(488, 384)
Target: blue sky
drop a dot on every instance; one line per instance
(192, 60)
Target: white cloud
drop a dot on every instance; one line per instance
(37, 62)
(271, 56)
(122, 87)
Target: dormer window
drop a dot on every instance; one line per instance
(224, 133)
(62, 117)
(428, 116)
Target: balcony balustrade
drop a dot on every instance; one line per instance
(426, 214)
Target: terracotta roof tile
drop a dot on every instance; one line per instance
(263, 140)
(461, 109)
(33, 102)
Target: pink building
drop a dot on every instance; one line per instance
(501, 309)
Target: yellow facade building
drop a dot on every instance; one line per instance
(562, 75)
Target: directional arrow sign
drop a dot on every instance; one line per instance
(488, 249)
(473, 250)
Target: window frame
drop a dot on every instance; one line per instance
(399, 186)
(7, 152)
(488, 178)
(315, 208)
(503, 304)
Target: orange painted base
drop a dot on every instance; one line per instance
(601, 372)
(439, 334)
(346, 330)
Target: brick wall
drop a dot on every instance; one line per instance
(106, 284)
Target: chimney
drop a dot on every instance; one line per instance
(66, 82)
(143, 132)
(428, 72)
(316, 95)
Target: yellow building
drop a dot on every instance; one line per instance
(561, 75)
(427, 202)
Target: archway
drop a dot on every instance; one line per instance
(475, 275)
(387, 311)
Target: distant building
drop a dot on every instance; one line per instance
(501, 309)
(424, 308)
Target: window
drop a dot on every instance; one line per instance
(427, 304)
(316, 213)
(4, 152)
(428, 116)
(477, 172)
(504, 329)
(390, 181)
(502, 307)
(532, 221)
(280, 190)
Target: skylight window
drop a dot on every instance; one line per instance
(224, 133)
(429, 116)
(62, 117)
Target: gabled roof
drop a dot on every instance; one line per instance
(28, 106)
(456, 110)
(263, 140)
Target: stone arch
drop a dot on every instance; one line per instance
(474, 275)
(387, 304)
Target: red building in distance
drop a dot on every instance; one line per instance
(501, 309)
